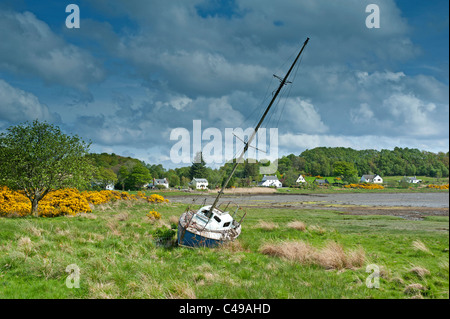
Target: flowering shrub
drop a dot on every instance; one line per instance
(155, 199)
(141, 195)
(104, 196)
(68, 201)
(438, 186)
(364, 186)
(13, 202)
(154, 215)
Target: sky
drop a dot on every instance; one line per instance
(135, 71)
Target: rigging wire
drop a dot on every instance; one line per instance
(265, 98)
(289, 91)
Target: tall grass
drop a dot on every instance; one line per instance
(332, 256)
(281, 253)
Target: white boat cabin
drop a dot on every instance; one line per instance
(214, 221)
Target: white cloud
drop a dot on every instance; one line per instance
(362, 115)
(412, 114)
(17, 105)
(292, 143)
(30, 47)
(303, 116)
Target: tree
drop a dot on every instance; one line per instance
(174, 180)
(122, 176)
(105, 176)
(346, 170)
(198, 168)
(138, 177)
(37, 158)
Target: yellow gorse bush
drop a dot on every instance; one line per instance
(104, 196)
(68, 201)
(364, 186)
(12, 202)
(154, 215)
(155, 199)
(438, 186)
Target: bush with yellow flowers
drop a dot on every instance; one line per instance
(154, 215)
(13, 203)
(68, 201)
(156, 199)
(438, 186)
(364, 186)
(105, 196)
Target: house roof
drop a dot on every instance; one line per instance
(201, 180)
(267, 178)
(164, 180)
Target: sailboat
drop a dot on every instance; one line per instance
(210, 226)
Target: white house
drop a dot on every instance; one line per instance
(164, 182)
(110, 187)
(270, 181)
(372, 179)
(199, 183)
(301, 179)
(412, 180)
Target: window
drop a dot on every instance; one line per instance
(226, 224)
(217, 219)
(207, 213)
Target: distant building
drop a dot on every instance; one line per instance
(199, 183)
(268, 181)
(412, 180)
(301, 179)
(109, 187)
(371, 179)
(164, 182)
(321, 182)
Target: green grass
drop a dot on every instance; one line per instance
(118, 258)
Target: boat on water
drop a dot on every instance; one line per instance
(210, 226)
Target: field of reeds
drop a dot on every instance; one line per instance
(281, 254)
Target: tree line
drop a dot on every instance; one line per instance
(342, 162)
(36, 157)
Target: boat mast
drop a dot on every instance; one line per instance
(282, 83)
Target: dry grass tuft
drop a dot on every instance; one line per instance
(33, 230)
(122, 216)
(232, 246)
(332, 256)
(421, 272)
(173, 220)
(266, 225)
(413, 288)
(316, 229)
(25, 245)
(296, 251)
(418, 245)
(113, 226)
(182, 291)
(297, 225)
(87, 215)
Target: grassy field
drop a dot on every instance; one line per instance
(281, 253)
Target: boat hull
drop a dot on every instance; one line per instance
(191, 235)
(190, 239)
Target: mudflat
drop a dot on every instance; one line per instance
(414, 206)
